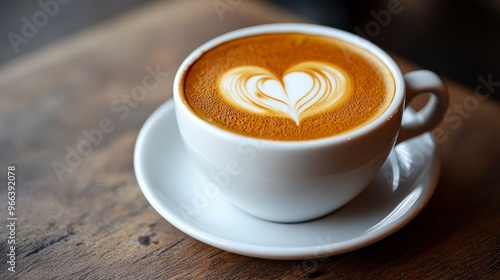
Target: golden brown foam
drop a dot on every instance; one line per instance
(367, 92)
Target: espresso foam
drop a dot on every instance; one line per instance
(288, 86)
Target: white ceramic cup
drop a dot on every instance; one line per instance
(294, 181)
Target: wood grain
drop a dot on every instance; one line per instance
(93, 221)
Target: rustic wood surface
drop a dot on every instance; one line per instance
(90, 220)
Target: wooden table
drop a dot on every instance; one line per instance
(84, 216)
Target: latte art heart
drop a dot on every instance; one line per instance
(305, 89)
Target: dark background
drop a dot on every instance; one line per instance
(458, 39)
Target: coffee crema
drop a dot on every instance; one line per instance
(288, 86)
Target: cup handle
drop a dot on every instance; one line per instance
(424, 82)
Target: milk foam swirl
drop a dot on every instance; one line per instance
(305, 89)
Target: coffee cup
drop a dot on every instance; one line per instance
(292, 121)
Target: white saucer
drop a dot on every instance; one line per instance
(170, 182)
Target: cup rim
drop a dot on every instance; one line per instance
(304, 28)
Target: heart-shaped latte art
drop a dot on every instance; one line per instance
(305, 89)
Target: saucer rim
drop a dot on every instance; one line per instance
(275, 252)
